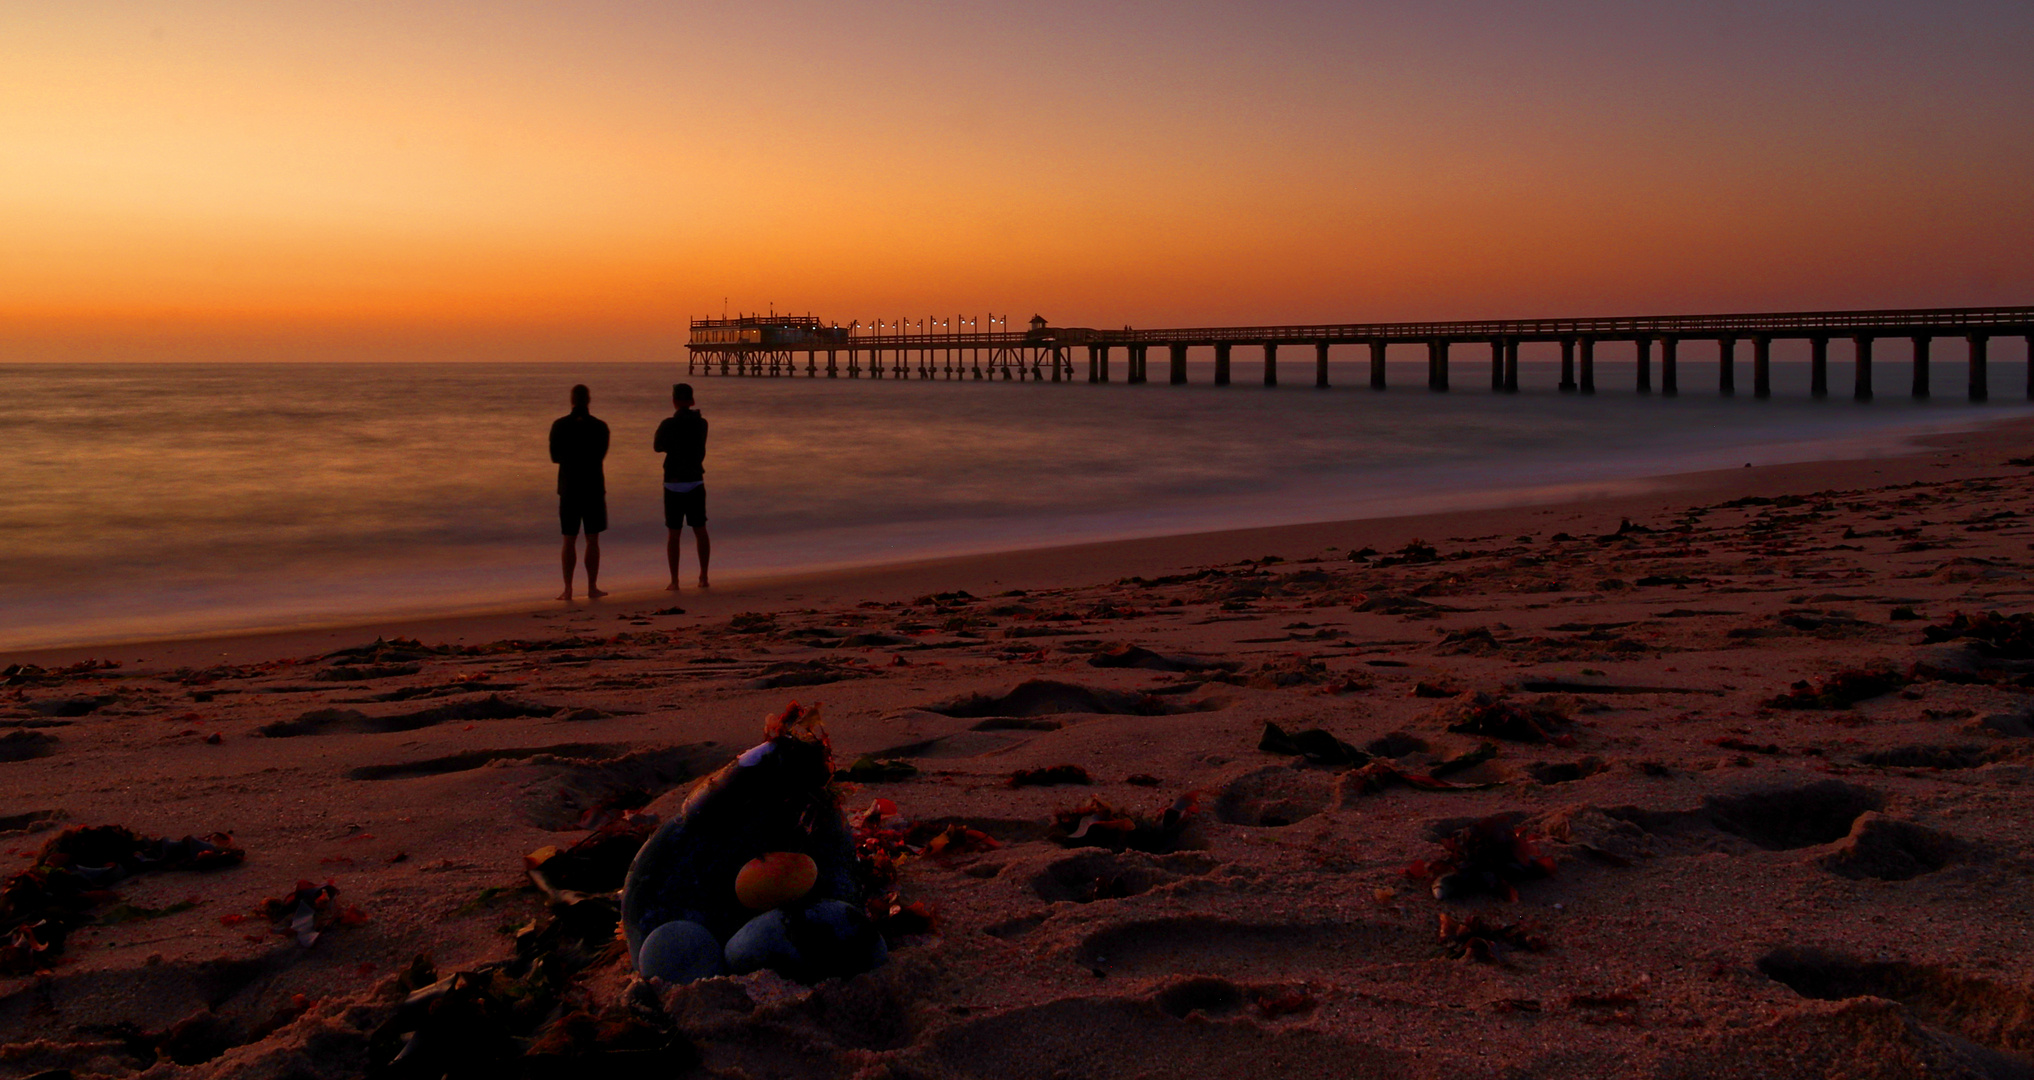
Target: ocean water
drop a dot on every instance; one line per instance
(162, 500)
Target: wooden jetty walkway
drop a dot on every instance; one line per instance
(773, 345)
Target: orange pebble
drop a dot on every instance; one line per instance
(776, 878)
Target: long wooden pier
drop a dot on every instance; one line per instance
(774, 345)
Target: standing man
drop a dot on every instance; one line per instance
(579, 445)
(682, 441)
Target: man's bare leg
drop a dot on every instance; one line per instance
(705, 554)
(671, 556)
(571, 561)
(593, 566)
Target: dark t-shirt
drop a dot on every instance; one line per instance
(682, 441)
(578, 445)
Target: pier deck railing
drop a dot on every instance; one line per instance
(1047, 354)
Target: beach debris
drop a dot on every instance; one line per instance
(1414, 551)
(746, 835)
(1485, 939)
(1049, 775)
(74, 872)
(1489, 856)
(1096, 823)
(1314, 744)
(580, 882)
(871, 770)
(307, 912)
(37, 675)
(883, 840)
(1840, 690)
(522, 1017)
(1478, 713)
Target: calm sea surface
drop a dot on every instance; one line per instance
(157, 500)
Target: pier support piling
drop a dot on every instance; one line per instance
(1818, 367)
(1568, 364)
(1511, 365)
(1497, 365)
(1643, 348)
(1588, 365)
(1762, 367)
(1670, 367)
(1437, 365)
(1222, 363)
(1103, 352)
(1179, 365)
(1862, 388)
(1094, 364)
(1921, 344)
(1271, 363)
(1377, 369)
(1980, 384)
(1726, 366)
(1320, 365)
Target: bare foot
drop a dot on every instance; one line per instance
(593, 593)
(673, 587)
(702, 582)
(566, 596)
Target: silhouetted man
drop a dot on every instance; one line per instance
(579, 445)
(682, 441)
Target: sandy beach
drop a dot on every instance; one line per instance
(1760, 798)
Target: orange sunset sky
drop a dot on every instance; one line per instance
(482, 178)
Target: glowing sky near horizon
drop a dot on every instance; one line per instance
(610, 167)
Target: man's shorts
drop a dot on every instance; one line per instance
(682, 508)
(575, 509)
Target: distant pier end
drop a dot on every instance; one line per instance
(956, 348)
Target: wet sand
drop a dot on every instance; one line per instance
(1749, 878)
